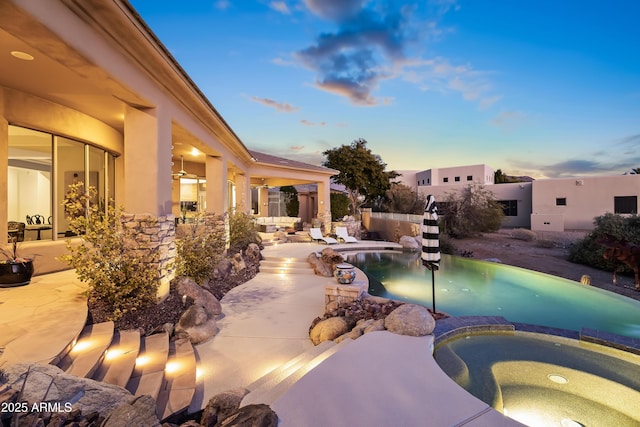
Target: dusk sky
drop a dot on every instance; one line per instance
(546, 88)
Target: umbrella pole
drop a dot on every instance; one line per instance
(433, 289)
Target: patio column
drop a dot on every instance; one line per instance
(4, 169)
(243, 193)
(324, 204)
(217, 188)
(147, 161)
(264, 201)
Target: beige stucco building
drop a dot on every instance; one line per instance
(89, 94)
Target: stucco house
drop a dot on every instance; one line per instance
(89, 94)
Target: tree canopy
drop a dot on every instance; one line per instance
(361, 172)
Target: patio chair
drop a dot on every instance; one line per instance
(316, 236)
(343, 235)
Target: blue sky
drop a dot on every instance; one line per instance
(546, 88)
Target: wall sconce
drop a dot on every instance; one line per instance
(322, 202)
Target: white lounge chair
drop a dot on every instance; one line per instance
(316, 236)
(343, 235)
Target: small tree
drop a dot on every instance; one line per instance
(242, 231)
(471, 211)
(118, 275)
(291, 202)
(339, 206)
(361, 172)
(198, 253)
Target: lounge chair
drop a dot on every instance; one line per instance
(343, 235)
(316, 236)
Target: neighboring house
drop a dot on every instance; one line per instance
(479, 174)
(89, 94)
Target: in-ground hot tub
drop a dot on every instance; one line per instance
(543, 380)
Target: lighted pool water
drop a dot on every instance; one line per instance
(542, 380)
(467, 287)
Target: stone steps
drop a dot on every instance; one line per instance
(276, 383)
(87, 352)
(179, 384)
(285, 266)
(148, 365)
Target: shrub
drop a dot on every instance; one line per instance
(545, 243)
(402, 199)
(118, 275)
(339, 206)
(447, 246)
(199, 253)
(469, 212)
(242, 231)
(523, 234)
(291, 202)
(588, 252)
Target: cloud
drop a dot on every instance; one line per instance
(335, 10)
(579, 167)
(632, 140)
(280, 6)
(296, 147)
(309, 123)
(222, 4)
(279, 106)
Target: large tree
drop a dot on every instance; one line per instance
(361, 172)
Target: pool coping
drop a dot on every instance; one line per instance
(452, 326)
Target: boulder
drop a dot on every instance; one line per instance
(376, 325)
(196, 325)
(221, 406)
(139, 411)
(331, 257)
(328, 329)
(259, 415)
(410, 319)
(87, 395)
(223, 270)
(187, 287)
(408, 242)
(238, 263)
(319, 267)
(252, 253)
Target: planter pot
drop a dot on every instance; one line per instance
(15, 273)
(345, 273)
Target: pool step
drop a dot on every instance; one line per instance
(276, 383)
(87, 352)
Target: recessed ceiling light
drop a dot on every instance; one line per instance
(22, 55)
(558, 379)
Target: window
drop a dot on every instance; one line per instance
(561, 201)
(469, 177)
(42, 166)
(456, 179)
(445, 179)
(428, 179)
(509, 207)
(625, 204)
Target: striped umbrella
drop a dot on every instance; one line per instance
(430, 242)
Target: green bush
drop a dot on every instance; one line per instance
(588, 252)
(118, 275)
(199, 253)
(339, 206)
(242, 231)
(291, 202)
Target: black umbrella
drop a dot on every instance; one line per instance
(430, 242)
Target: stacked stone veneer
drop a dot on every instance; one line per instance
(155, 235)
(338, 295)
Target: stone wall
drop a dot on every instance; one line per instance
(155, 234)
(340, 295)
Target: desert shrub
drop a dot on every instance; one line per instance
(469, 212)
(119, 276)
(401, 198)
(545, 243)
(588, 252)
(199, 253)
(447, 246)
(523, 234)
(242, 231)
(339, 206)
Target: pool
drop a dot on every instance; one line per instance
(466, 287)
(542, 380)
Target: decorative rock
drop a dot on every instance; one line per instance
(376, 325)
(222, 406)
(410, 243)
(196, 325)
(187, 287)
(88, 395)
(319, 267)
(410, 319)
(139, 411)
(223, 270)
(238, 263)
(260, 415)
(252, 253)
(280, 236)
(328, 329)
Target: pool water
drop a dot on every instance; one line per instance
(541, 380)
(466, 287)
